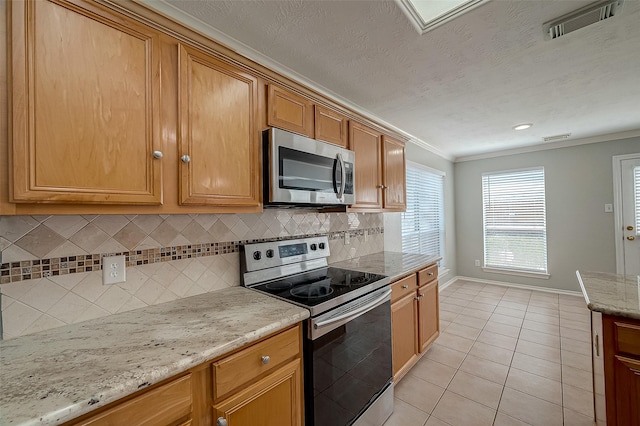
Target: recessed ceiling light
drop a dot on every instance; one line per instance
(522, 126)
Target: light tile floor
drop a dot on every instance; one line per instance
(505, 356)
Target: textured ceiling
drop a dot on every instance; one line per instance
(462, 86)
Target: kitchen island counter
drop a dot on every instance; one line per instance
(611, 294)
(59, 374)
(392, 264)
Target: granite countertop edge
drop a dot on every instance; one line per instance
(68, 401)
(595, 280)
(393, 264)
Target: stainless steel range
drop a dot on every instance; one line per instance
(347, 347)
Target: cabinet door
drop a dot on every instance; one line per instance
(331, 126)
(394, 178)
(219, 142)
(85, 106)
(366, 143)
(404, 334)
(428, 313)
(288, 111)
(274, 400)
(627, 392)
(166, 405)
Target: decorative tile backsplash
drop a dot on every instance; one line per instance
(50, 275)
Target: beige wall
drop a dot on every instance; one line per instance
(580, 235)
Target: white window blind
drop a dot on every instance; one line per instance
(636, 191)
(423, 221)
(515, 234)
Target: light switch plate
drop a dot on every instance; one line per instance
(113, 270)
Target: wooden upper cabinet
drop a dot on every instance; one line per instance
(331, 126)
(366, 143)
(85, 106)
(288, 111)
(394, 174)
(219, 141)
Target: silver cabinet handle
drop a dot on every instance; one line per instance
(266, 359)
(421, 294)
(185, 158)
(405, 286)
(157, 154)
(597, 343)
(221, 421)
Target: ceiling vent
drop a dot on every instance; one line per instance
(581, 18)
(556, 137)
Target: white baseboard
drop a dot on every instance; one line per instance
(507, 284)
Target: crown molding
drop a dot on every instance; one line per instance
(552, 145)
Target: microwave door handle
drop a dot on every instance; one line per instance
(343, 176)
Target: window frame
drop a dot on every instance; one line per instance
(502, 269)
(441, 213)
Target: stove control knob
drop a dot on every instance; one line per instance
(257, 255)
(314, 247)
(321, 245)
(269, 253)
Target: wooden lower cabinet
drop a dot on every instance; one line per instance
(273, 401)
(428, 314)
(414, 318)
(404, 329)
(621, 348)
(271, 394)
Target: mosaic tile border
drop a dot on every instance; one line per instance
(42, 268)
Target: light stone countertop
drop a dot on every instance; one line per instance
(611, 294)
(59, 374)
(389, 263)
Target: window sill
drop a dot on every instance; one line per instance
(539, 275)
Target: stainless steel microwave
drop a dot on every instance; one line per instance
(299, 171)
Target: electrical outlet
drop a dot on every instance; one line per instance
(347, 238)
(477, 262)
(113, 270)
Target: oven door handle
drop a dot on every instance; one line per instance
(356, 312)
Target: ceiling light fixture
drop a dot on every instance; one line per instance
(522, 126)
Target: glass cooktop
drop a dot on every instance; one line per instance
(313, 288)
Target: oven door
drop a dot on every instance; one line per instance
(307, 171)
(348, 360)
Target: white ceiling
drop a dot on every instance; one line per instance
(458, 88)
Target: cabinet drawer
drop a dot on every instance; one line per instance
(403, 287)
(242, 367)
(627, 338)
(427, 275)
(160, 406)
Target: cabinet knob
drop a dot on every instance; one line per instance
(221, 421)
(185, 158)
(405, 286)
(266, 359)
(421, 294)
(157, 154)
(430, 274)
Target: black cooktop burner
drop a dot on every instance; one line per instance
(318, 286)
